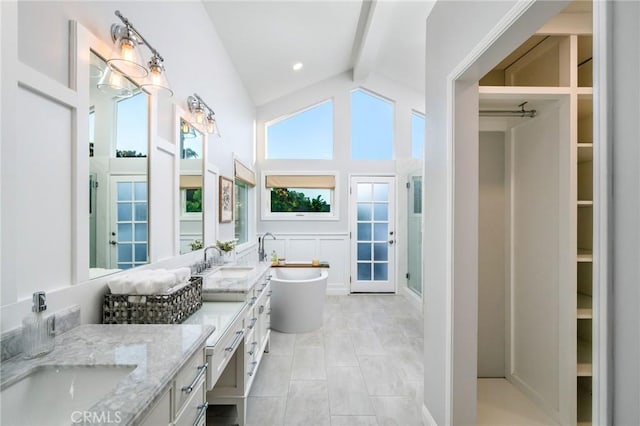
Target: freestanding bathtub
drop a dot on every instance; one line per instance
(297, 301)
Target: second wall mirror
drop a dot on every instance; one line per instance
(191, 193)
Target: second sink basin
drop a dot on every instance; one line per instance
(231, 272)
(53, 395)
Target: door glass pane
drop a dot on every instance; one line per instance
(141, 212)
(124, 212)
(380, 272)
(124, 253)
(380, 252)
(364, 232)
(364, 271)
(364, 211)
(124, 232)
(364, 192)
(124, 191)
(364, 251)
(141, 253)
(141, 232)
(380, 231)
(141, 191)
(381, 212)
(380, 192)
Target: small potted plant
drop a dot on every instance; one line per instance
(196, 245)
(228, 250)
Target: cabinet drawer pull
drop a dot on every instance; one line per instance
(253, 369)
(261, 309)
(202, 411)
(269, 293)
(203, 370)
(235, 342)
(253, 323)
(253, 348)
(252, 301)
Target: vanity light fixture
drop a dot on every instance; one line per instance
(126, 59)
(203, 114)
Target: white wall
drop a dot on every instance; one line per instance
(38, 144)
(454, 29)
(338, 89)
(624, 41)
(491, 255)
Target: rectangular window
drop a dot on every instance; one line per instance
(305, 135)
(132, 139)
(299, 196)
(241, 212)
(417, 134)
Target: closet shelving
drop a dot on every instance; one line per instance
(559, 67)
(584, 205)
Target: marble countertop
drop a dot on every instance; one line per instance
(156, 351)
(219, 314)
(212, 284)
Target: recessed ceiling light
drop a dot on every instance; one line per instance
(298, 66)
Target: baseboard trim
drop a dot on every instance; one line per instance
(427, 418)
(337, 289)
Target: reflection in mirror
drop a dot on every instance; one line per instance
(191, 188)
(118, 147)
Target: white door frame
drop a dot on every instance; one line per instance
(371, 286)
(520, 21)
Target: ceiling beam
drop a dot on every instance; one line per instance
(372, 27)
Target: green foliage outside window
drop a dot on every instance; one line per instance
(286, 200)
(194, 200)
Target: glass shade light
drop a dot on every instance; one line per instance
(212, 126)
(115, 84)
(125, 56)
(156, 83)
(198, 114)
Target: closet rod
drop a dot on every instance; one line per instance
(506, 113)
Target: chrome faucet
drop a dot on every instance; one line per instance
(262, 256)
(207, 249)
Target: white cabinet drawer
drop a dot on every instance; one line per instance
(188, 378)
(195, 408)
(224, 351)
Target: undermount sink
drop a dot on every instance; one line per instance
(53, 394)
(230, 272)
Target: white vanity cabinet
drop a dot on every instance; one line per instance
(243, 346)
(184, 400)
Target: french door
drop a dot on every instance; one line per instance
(372, 224)
(129, 222)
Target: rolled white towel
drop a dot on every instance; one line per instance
(153, 282)
(122, 284)
(182, 275)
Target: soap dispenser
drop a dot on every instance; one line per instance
(38, 332)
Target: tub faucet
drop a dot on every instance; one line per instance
(262, 256)
(207, 249)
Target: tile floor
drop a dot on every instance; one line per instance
(363, 367)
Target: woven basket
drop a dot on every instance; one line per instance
(172, 308)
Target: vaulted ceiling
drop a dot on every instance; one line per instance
(265, 38)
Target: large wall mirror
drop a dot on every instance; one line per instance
(191, 196)
(118, 172)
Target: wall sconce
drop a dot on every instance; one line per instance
(203, 114)
(126, 60)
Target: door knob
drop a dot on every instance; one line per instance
(391, 241)
(113, 243)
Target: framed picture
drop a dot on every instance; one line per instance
(226, 200)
